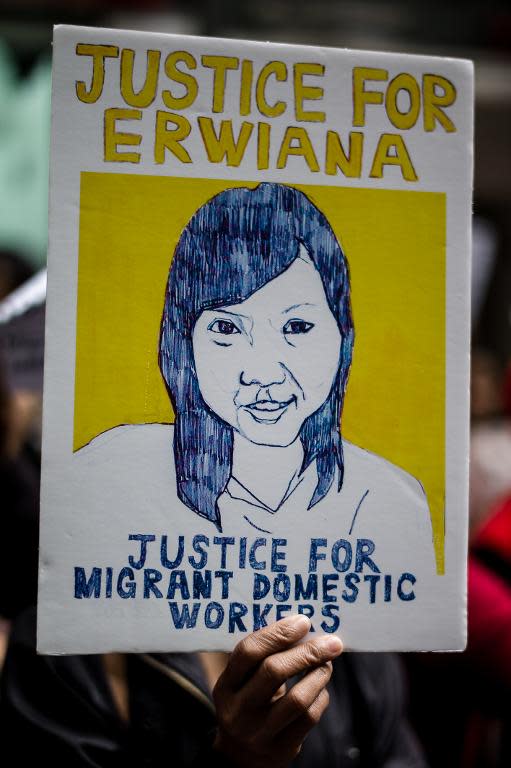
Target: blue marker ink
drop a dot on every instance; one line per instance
(237, 243)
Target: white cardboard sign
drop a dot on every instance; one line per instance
(256, 371)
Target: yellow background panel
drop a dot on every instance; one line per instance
(395, 245)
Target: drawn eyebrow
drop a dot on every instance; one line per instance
(295, 306)
(226, 312)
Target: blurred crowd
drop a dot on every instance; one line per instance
(459, 704)
(20, 462)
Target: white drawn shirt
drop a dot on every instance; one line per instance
(378, 500)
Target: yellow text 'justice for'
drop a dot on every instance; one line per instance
(404, 99)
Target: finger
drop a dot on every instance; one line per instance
(298, 699)
(279, 693)
(274, 670)
(249, 653)
(294, 735)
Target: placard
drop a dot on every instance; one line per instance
(256, 372)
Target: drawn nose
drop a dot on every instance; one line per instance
(263, 373)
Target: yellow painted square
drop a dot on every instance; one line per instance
(395, 244)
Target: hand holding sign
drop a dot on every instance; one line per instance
(259, 720)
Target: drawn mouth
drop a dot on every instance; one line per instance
(269, 411)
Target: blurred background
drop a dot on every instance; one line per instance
(459, 704)
(477, 30)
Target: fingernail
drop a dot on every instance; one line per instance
(300, 621)
(331, 643)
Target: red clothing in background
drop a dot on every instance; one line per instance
(460, 704)
(489, 590)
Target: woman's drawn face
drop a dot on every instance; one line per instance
(266, 364)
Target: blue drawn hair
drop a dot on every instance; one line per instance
(233, 245)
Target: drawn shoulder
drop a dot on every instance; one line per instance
(133, 447)
(392, 509)
(381, 477)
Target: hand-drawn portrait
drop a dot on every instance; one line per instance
(256, 343)
(255, 348)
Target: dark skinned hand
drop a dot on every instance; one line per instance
(260, 723)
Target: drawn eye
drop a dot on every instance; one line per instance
(297, 326)
(225, 327)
